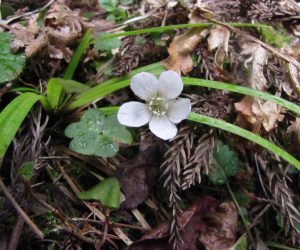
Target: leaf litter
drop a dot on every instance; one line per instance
(206, 189)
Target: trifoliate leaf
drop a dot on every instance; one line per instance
(106, 44)
(85, 144)
(118, 132)
(26, 170)
(97, 135)
(94, 119)
(225, 164)
(106, 147)
(107, 192)
(11, 65)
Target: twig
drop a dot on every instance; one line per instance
(20, 211)
(16, 233)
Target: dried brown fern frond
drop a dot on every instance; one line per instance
(199, 162)
(215, 104)
(178, 155)
(278, 183)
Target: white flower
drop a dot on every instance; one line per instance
(162, 109)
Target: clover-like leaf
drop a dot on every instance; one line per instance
(97, 135)
(85, 144)
(117, 131)
(11, 65)
(225, 164)
(107, 192)
(106, 147)
(94, 119)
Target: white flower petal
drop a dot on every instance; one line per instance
(144, 85)
(162, 127)
(170, 85)
(134, 114)
(179, 109)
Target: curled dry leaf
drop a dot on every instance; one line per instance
(219, 39)
(294, 132)
(28, 37)
(63, 28)
(180, 48)
(256, 111)
(205, 226)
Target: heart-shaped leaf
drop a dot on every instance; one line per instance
(113, 128)
(107, 192)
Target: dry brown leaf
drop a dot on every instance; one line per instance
(205, 225)
(180, 48)
(258, 112)
(137, 176)
(222, 228)
(268, 113)
(219, 36)
(28, 37)
(219, 39)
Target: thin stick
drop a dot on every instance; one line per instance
(20, 211)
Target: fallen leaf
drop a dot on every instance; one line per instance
(206, 225)
(219, 39)
(180, 48)
(268, 113)
(222, 227)
(137, 176)
(256, 111)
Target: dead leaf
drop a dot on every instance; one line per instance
(219, 36)
(219, 39)
(137, 176)
(28, 37)
(258, 112)
(180, 48)
(205, 225)
(222, 227)
(268, 113)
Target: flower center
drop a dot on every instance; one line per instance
(158, 106)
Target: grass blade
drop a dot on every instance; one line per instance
(12, 117)
(213, 122)
(82, 47)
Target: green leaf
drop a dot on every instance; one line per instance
(12, 117)
(97, 135)
(82, 47)
(109, 5)
(241, 244)
(274, 37)
(225, 164)
(85, 143)
(11, 65)
(54, 93)
(105, 146)
(107, 44)
(107, 192)
(111, 85)
(94, 119)
(76, 129)
(71, 86)
(26, 170)
(118, 132)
